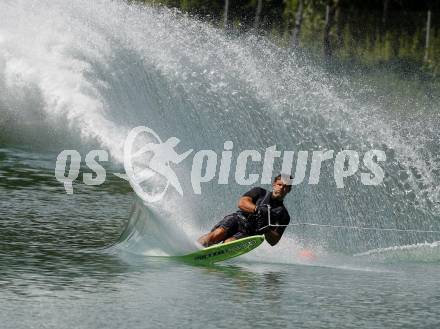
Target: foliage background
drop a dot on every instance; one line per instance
(366, 35)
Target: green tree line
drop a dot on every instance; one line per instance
(405, 33)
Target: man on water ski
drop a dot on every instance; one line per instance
(255, 207)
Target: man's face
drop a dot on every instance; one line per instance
(279, 189)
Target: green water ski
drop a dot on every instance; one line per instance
(224, 251)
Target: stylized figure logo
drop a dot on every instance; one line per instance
(163, 154)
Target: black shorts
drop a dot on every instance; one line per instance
(233, 225)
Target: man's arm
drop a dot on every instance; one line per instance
(274, 234)
(272, 237)
(246, 204)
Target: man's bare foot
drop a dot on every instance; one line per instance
(203, 240)
(216, 236)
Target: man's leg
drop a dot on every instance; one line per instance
(232, 238)
(236, 236)
(216, 236)
(223, 230)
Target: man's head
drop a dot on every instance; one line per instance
(282, 184)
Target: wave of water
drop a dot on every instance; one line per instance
(420, 252)
(92, 71)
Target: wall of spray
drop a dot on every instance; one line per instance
(91, 71)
